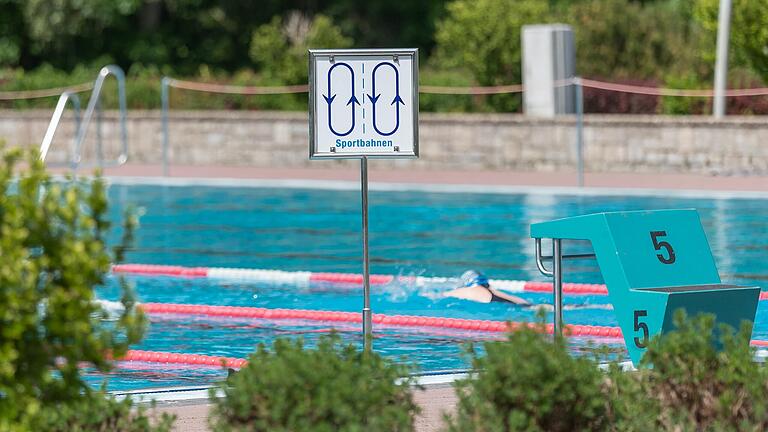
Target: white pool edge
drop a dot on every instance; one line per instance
(432, 187)
(196, 394)
(201, 393)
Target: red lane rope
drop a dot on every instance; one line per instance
(571, 330)
(230, 362)
(353, 317)
(185, 359)
(160, 270)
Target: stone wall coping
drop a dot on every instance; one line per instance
(612, 120)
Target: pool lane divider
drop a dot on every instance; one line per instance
(575, 330)
(182, 359)
(306, 278)
(354, 317)
(195, 360)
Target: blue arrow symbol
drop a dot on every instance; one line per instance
(397, 101)
(352, 100)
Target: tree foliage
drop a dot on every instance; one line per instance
(657, 42)
(279, 48)
(749, 32)
(483, 37)
(53, 253)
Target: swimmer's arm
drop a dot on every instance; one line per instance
(510, 298)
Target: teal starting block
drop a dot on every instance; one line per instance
(653, 263)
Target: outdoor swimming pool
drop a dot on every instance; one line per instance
(412, 233)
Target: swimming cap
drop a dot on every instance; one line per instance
(472, 277)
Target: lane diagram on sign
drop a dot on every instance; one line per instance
(363, 104)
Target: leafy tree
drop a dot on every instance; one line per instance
(657, 42)
(53, 253)
(280, 47)
(749, 32)
(11, 33)
(384, 23)
(64, 27)
(483, 37)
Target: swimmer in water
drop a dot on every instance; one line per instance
(476, 287)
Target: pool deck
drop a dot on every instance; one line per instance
(328, 172)
(434, 400)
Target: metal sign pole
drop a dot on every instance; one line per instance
(367, 325)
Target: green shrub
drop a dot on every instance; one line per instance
(99, 412)
(53, 253)
(705, 379)
(333, 387)
(529, 383)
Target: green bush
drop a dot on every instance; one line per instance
(99, 412)
(694, 378)
(333, 387)
(529, 383)
(703, 379)
(53, 253)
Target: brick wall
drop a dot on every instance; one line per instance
(736, 145)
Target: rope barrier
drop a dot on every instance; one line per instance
(36, 94)
(660, 91)
(426, 89)
(232, 89)
(474, 90)
(478, 90)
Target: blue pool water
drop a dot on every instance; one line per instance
(411, 233)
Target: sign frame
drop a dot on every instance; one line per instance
(395, 54)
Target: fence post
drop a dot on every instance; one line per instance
(164, 85)
(579, 130)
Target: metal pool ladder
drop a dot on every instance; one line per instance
(81, 125)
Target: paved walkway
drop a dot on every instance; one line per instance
(434, 400)
(496, 178)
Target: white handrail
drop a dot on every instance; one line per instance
(58, 112)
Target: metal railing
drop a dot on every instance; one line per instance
(556, 274)
(58, 112)
(81, 130)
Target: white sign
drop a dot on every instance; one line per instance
(363, 103)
